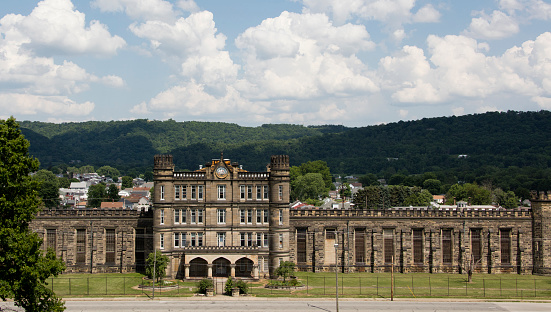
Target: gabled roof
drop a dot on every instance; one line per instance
(112, 205)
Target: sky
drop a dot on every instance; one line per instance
(252, 62)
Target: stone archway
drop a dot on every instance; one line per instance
(244, 268)
(221, 267)
(198, 267)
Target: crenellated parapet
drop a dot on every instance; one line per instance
(163, 162)
(279, 162)
(414, 212)
(540, 195)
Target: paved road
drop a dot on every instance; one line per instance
(290, 305)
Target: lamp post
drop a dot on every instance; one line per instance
(336, 278)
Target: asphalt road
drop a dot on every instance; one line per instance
(288, 305)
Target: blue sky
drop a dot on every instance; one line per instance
(251, 62)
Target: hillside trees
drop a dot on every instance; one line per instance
(382, 197)
(310, 180)
(23, 266)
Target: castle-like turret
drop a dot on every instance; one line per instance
(541, 229)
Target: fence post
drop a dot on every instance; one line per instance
(430, 288)
(307, 284)
(448, 285)
(106, 285)
(124, 285)
(360, 285)
(52, 283)
(324, 285)
(516, 285)
(342, 285)
(412, 288)
(69, 286)
(500, 293)
(466, 281)
(535, 294)
(484, 286)
(377, 285)
(88, 286)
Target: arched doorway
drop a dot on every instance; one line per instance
(221, 267)
(244, 268)
(198, 267)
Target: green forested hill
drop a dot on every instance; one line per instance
(491, 141)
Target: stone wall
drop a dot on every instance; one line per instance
(132, 229)
(399, 225)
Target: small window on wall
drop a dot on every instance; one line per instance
(417, 246)
(242, 191)
(110, 246)
(280, 193)
(200, 192)
(176, 216)
(162, 217)
(447, 252)
(266, 192)
(505, 242)
(258, 192)
(162, 192)
(176, 191)
(221, 192)
(161, 241)
(388, 237)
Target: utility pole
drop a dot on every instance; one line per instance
(91, 247)
(336, 277)
(392, 280)
(154, 264)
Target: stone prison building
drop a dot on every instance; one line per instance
(222, 220)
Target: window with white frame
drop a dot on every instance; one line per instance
(249, 239)
(184, 191)
(258, 192)
(249, 192)
(183, 240)
(194, 192)
(196, 239)
(200, 192)
(242, 216)
(280, 241)
(162, 216)
(280, 216)
(249, 216)
(193, 216)
(199, 239)
(265, 244)
(258, 216)
(280, 192)
(183, 215)
(242, 191)
(259, 239)
(162, 192)
(266, 192)
(176, 240)
(176, 216)
(161, 241)
(221, 191)
(176, 191)
(242, 239)
(221, 239)
(221, 216)
(200, 213)
(266, 216)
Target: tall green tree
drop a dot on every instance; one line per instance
(49, 187)
(96, 195)
(24, 268)
(159, 263)
(127, 182)
(309, 186)
(108, 171)
(113, 192)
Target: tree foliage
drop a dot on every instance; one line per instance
(96, 195)
(382, 197)
(113, 193)
(127, 182)
(23, 267)
(159, 263)
(308, 186)
(285, 270)
(108, 171)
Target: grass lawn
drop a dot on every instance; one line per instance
(361, 285)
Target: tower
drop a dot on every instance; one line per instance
(279, 210)
(541, 231)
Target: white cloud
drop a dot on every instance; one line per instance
(457, 69)
(426, 14)
(304, 56)
(54, 27)
(543, 102)
(160, 10)
(194, 45)
(26, 104)
(188, 6)
(497, 26)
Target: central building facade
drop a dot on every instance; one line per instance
(221, 220)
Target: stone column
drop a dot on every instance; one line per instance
(232, 267)
(255, 271)
(186, 270)
(209, 270)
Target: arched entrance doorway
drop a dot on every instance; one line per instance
(244, 268)
(198, 267)
(221, 267)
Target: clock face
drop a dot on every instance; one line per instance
(221, 172)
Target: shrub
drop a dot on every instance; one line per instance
(230, 283)
(203, 285)
(243, 287)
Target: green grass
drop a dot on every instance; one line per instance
(359, 285)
